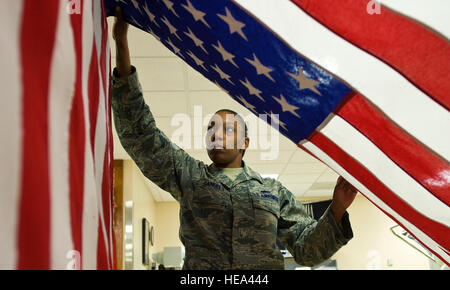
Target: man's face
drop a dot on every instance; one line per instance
(225, 139)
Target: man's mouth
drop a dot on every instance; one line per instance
(215, 147)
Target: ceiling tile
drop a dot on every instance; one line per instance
(298, 189)
(146, 45)
(264, 156)
(178, 133)
(318, 193)
(299, 178)
(160, 74)
(321, 189)
(196, 81)
(141, 43)
(323, 185)
(267, 168)
(274, 143)
(299, 168)
(166, 104)
(302, 156)
(209, 102)
(328, 176)
(164, 124)
(286, 144)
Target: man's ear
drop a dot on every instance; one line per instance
(246, 142)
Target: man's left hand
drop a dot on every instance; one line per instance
(343, 196)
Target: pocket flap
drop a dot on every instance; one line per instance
(267, 203)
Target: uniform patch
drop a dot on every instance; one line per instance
(265, 194)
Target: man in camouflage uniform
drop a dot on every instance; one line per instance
(230, 217)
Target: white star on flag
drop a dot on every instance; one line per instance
(260, 68)
(149, 30)
(198, 61)
(175, 48)
(286, 107)
(172, 28)
(136, 5)
(252, 90)
(221, 73)
(197, 14)
(150, 15)
(304, 82)
(225, 54)
(234, 25)
(196, 40)
(276, 119)
(169, 6)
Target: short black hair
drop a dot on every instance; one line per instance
(240, 119)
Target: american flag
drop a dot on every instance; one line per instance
(56, 151)
(363, 87)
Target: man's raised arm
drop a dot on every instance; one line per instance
(160, 160)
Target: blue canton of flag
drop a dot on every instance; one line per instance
(244, 58)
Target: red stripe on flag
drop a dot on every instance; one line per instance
(424, 166)
(77, 142)
(93, 95)
(415, 51)
(434, 230)
(37, 43)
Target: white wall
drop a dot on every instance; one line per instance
(374, 243)
(144, 205)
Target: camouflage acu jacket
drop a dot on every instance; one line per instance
(224, 224)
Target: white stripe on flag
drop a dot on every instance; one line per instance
(10, 130)
(378, 82)
(62, 86)
(90, 208)
(100, 130)
(90, 214)
(365, 152)
(367, 193)
(97, 21)
(433, 13)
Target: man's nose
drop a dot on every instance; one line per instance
(217, 135)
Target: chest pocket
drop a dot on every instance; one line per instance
(266, 212)
(266, 208)
(267, 204)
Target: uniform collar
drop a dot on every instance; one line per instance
(246, 175)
